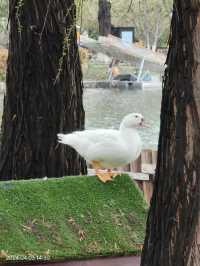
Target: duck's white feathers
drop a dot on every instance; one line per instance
(83, 140)
(103, 145)
(107, 154)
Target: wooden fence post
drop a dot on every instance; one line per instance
(147, 186)
(154, 156)
(136, 166)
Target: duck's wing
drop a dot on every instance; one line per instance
(83, 140)
(98, 135)
(110, 153)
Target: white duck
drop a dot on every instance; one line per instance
(108, 148)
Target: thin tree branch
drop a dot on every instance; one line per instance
(45, 20)
(130, 5)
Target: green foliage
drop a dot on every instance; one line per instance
(3, 14)
(89, 16)
(72, 217)
(2, 76)
(93, 33)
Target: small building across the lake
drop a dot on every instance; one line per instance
(127, 34)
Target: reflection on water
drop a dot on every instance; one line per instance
(106, 107)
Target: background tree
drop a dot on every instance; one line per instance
(104, 17)
(89, 18)
(44, 91)
(151, 20)
(172, 236)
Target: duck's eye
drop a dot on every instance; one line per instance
(136, 116)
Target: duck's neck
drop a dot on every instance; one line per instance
(129, 134)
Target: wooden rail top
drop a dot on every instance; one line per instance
(135, 176)
(143, 169)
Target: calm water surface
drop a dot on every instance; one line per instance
(106, 107)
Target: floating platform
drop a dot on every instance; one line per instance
(107, 84)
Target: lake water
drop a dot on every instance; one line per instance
(105, 108)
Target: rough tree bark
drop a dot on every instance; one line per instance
(104, 17)
(44, 91)
(172, 236)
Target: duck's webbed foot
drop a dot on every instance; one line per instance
(103, 176)
(113, 174)
(107, 176)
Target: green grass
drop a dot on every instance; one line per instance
(71, 217)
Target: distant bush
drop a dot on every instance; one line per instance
(139, 44)
(92, 33)
(3, 63)
(83, 55)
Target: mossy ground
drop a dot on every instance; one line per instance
(71, 217)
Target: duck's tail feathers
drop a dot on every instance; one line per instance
(64, 139)
(60, 138)
(69, 139)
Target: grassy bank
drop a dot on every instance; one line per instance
(71, 217)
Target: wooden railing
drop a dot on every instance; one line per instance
(145, 165)
(142, 171)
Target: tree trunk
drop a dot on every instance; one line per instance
(44, 91)
(146, 26)
(172, 236)
(147, 40)
(104, 17)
